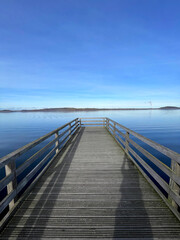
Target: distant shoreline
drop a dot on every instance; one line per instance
(86, 109)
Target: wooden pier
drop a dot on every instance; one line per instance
(92, 180)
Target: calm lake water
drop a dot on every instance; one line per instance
(18, 129)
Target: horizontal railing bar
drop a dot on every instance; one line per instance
(111, 127)
(115, 135)
(166, 151)
(30, 160)
(115, 139)
(93, 118)
(65, 137)
(72, 133)
(122, 134)
(5, 202)
(162, 183)
(92, 124)
(62, 134)
(69, 135)
(93, 121)
(120, 139)
(31, 174)
(62, 140)
(76, 126)
(153, 159)
(157, 162)
(4, 160)
(6, 180)
(73, 125)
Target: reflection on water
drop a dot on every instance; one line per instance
(18, 129)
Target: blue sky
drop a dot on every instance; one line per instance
(89, 53)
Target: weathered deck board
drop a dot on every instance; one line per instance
(92, 190)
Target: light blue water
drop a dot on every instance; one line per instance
(18, 129)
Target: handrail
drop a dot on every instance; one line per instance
(9, 183)
(96, 121)
(171, 187)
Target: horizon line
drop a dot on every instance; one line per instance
(86, 109)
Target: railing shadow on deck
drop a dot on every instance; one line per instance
(127, 223)
(56, 171)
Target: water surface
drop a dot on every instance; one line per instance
(18, 129)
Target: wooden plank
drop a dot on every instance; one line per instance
(93, 190)
(91, 221)
(121, 232)
(95, 212)
(92, 196)
(49, 204)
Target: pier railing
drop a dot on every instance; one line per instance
(20, 179)
(93, 122)
(167, 178)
